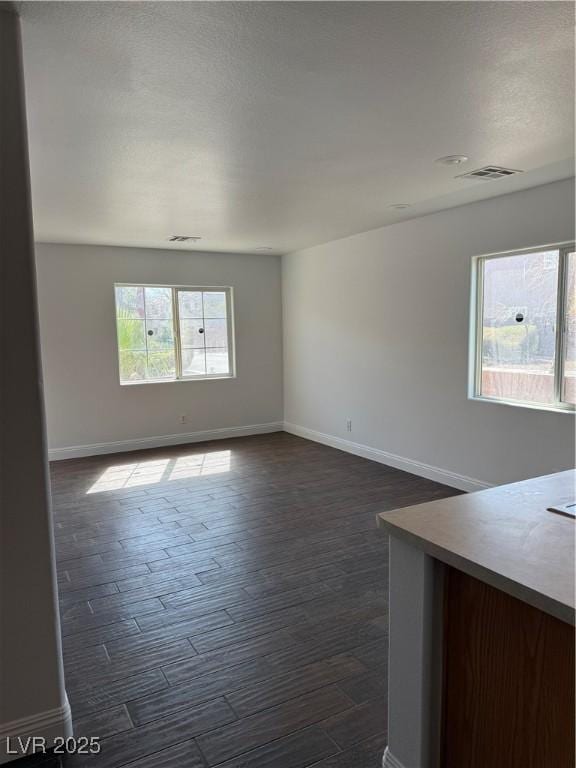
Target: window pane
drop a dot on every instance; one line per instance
(160, 335)
(148, 344)
(129, 301)
(132, 366)
(216, 333)
(159, 303)
(519, 327)
(192, 333)
(190, 304)
(131, 334)
(217, 361)
(214, 304)
(569, 388)
(161, 365)
(193, 362)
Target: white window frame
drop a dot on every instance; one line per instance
(476, 335)
(229, 292)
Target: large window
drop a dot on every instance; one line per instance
(168, 333)
(524, 328)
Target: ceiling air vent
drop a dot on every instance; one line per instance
(488, 172)
(183, 238)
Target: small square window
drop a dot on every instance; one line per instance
(523, 334)
(169, 333)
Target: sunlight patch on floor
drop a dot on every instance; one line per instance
(201, 464)
(150, 472)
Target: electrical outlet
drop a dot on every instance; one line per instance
(349, 425)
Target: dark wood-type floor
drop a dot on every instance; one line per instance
(224, 604)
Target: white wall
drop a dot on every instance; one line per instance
(32, 696)
(85, 403)
(376, 330)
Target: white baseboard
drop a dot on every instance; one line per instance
(428, 471)
(389, 761)
(439, 475)
(15, 736)
(138, 444)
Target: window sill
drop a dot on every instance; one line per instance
(567, 408)
(183, 380)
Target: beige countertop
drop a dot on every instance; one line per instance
(504, 536)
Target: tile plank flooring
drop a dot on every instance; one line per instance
(224, 604)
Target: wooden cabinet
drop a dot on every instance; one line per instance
(508, 693)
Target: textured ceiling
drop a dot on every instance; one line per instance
(285, 124)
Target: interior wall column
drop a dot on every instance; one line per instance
(32, 695)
